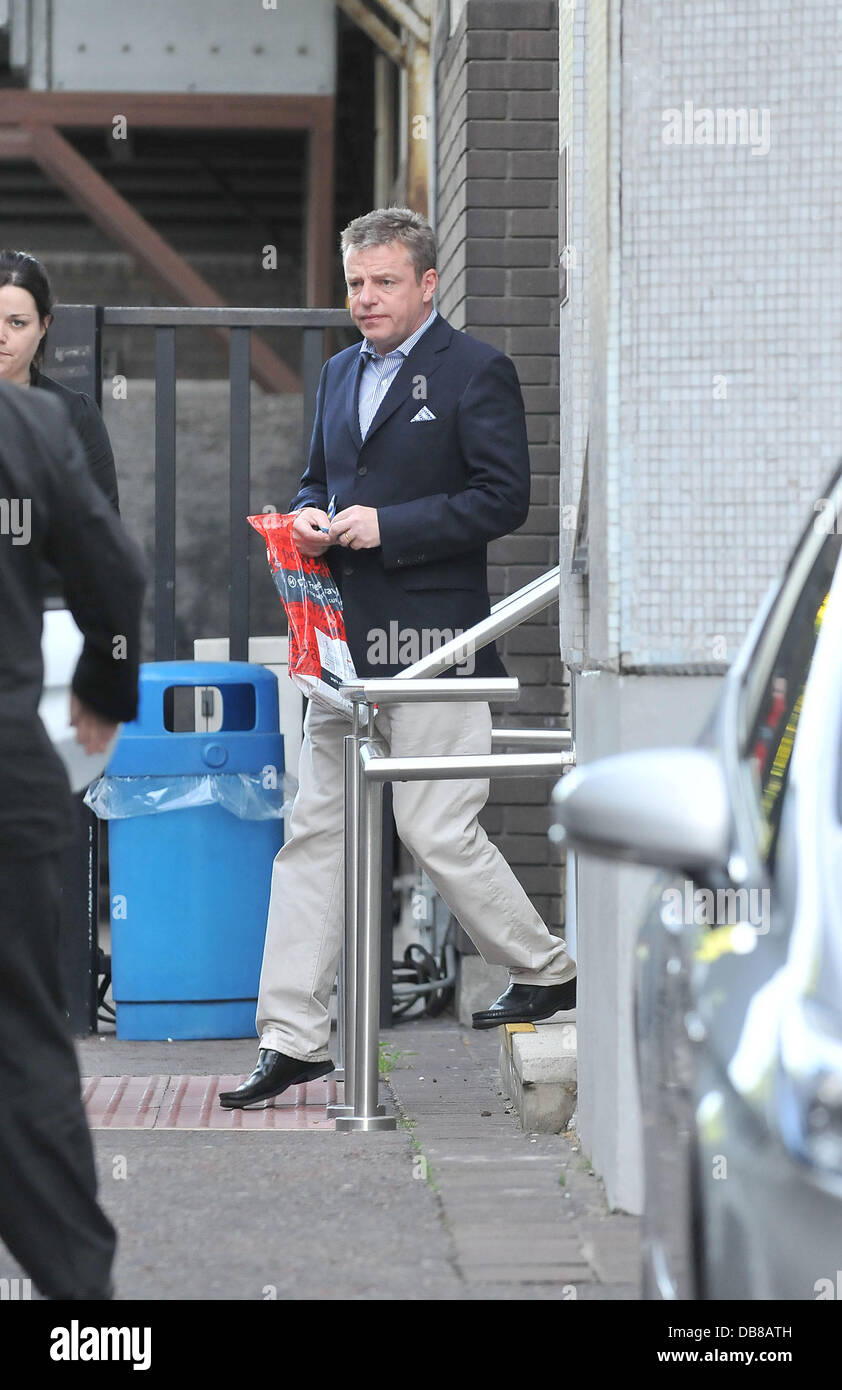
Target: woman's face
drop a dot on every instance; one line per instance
(20, 333)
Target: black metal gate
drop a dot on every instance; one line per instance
(75, 359)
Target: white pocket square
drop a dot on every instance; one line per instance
(423, 414)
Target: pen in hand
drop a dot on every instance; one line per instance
(331, 511)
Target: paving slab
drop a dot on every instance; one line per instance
(512, 1201)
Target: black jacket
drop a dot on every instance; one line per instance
(88, 423)
(96, 447)
(444, 485)
(51, 512)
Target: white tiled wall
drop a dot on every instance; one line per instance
(702, 342)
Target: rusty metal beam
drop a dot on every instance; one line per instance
(410, 51)
(385, 76)
(379, 33)
(319, 249)
(409, 18)
(417, 119)
(162, 109)
(15, 143)
(81, 182)
(23, 113)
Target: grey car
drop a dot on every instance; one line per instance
(739, 958)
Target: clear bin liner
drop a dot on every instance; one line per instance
(244, 794)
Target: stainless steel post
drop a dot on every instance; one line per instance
(368, 1113)
(348, 966)
(339, 1071)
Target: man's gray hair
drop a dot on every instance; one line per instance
(385, 225)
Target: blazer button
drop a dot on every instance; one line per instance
(349, 569)
(362, 470)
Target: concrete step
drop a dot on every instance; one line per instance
(538, 1072)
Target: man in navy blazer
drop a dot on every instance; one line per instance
(420, 441)
(434, 487)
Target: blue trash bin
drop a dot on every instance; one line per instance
(190, 887)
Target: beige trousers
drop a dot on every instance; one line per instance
(437, 821)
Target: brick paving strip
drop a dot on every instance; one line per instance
(526, 1215)
(191, 1102)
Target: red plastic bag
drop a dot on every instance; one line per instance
(319, 659)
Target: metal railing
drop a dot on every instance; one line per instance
(75, 359)
(367, 768)
(240, 324)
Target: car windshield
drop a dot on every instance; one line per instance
(778, 672)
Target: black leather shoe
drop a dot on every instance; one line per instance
(274, 1073)
(528, 1004)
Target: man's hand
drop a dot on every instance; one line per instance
(357, 528)
(309, 531)
(92, 731)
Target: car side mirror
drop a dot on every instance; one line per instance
(664, 807)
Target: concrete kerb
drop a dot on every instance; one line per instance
(538, 1072)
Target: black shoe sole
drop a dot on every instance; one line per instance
(479, 1021)
(230, 1101)
(498, 1022)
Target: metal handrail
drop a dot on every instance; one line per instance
(384, 691)
(548, 577)
(539, 594)
(549, 738)
(378, 768)
(367, 768)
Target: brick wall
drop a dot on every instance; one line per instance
(497, 222)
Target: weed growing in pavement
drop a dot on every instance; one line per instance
(391, 1057)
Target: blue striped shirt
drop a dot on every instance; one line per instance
(379, 373)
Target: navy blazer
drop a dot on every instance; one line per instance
(443, 489)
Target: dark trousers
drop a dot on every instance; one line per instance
(49, 1215)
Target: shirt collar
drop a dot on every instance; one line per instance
(367, 349)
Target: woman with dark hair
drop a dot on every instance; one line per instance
(26, 304)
